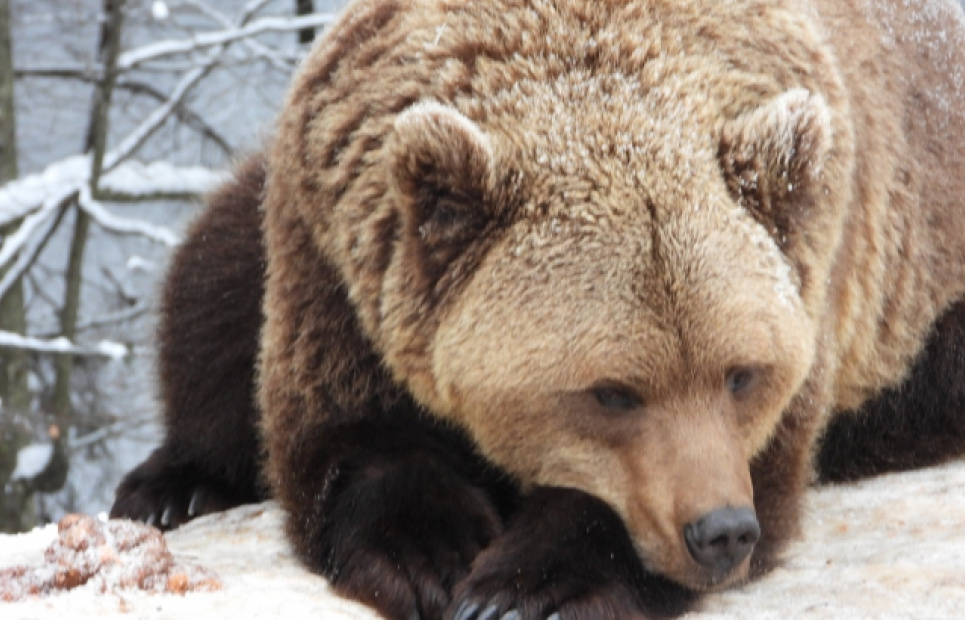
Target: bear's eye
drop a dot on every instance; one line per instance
(741, 379)
(616, 398)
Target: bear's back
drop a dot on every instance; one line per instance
(902, 260)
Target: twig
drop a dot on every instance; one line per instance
(28, 254)
(123, 226)
(161, 49)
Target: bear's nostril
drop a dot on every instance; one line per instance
(721, 539)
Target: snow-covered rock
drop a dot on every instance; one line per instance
(888, 548)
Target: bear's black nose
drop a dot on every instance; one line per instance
(721, 539)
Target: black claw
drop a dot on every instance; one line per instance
(193, 504)
(151, 520)
(166, 517)
(554, 616)
(466, 610)
(512, 614)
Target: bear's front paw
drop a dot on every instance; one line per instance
(167, 495)
(565, 556)
(398, 536)
(508, 596)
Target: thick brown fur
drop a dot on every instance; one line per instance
(548, 281)
(927, 406)
(210, 320)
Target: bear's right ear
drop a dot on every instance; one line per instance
(442, 177)
(772, 158)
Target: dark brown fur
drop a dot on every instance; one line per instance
(410, 456)
(917, 423)
(210, 321)
(423, 259)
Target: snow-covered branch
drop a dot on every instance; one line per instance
(135, 180)
(104, 348)
(276, 58)
(36, 200)
(162, 49)
(42, 214)
(28, 248)
(37, 192)
(35, 197)
(28, 194)
(124, 226)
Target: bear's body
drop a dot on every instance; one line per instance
(560, 296)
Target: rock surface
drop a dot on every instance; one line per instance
(888, 548)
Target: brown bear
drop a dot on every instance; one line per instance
(557, 306)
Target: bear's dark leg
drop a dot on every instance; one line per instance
(917, 423)
(387, 502)
(782, 472)
(566, 555)
(395, 507)
(208, 344)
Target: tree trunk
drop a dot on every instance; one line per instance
(13, 362)
(96, 144)
(305, 7)
(16, 510)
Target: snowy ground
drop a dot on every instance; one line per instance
(890, 548)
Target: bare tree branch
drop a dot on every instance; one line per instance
(35, 198)
(275, 57)
(184, 114)
(123, 226)
(14, 242)
(28, 194)
(29, 250)
(82, 72)
(161, 49)
(157, 118)
(111, 318)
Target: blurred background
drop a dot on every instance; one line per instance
(114, 116)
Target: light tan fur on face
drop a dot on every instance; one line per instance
(655, 303)
(649, 193)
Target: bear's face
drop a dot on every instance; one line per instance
(622, 323)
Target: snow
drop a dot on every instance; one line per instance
(160, 10)
(37, 198)
(28, 543)
(105, 557)
(160, 177)
(32, 460)
(104, 348)
(139, 263)
(18, 198)
(889, 548)
(107, 220)
(40, 193)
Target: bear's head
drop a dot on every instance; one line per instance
(605, 295)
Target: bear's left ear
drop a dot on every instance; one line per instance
(442, 177)
(772, 158)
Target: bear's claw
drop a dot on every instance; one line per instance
(166, 496)
(565, 556)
